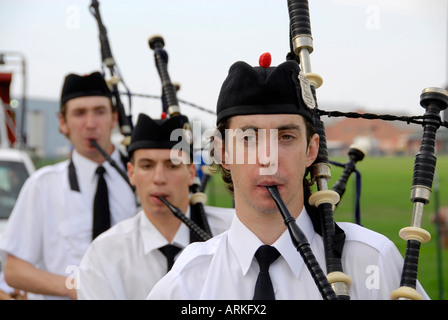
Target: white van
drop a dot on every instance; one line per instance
(15, 167)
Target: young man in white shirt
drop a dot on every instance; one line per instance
(264, 109)
(51, 225)
(126, 261)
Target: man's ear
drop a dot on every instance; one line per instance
(312, 150)
(62, 125)
(131, 172)
(114, 119)
(192, 171)
(219, 151)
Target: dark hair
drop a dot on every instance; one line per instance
(217, 167)
(227, 176)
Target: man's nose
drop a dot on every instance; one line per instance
(159, 174)
(267, 153)
(91, 120)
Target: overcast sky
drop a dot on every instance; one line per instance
(372, 54)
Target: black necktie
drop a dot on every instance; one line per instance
(101, 213)
(169, 251)
(265, 255)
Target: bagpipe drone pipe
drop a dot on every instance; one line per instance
(434, 100)
(198, 224)
(171, 109)
(125, 121)
(108, 61)
(334, 285)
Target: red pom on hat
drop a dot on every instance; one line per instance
(265, 60)
(163, 115)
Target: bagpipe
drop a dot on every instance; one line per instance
(198, 198)
(125, 121)
(198, 223)
(336, 284)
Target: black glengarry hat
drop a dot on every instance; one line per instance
(156, 134)
(80, 86)
(251, 90)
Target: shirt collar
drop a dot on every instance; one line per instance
(89, 167)
(153, 239)
(245, 253)
(238, 232)
(84, 166)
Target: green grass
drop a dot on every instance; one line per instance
(385, 208)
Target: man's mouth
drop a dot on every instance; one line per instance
(266, 183)
(156, 196)
(92, 141)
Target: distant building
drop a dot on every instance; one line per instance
(42, 129)
(415, 140)
(376, 137)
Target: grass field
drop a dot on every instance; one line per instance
(385, 208)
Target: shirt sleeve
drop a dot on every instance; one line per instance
(220, 218)
(391, 262)
(93, 280)
(23, 234)
(170, 287)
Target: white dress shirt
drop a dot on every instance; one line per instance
(51, 224)
(124, 262)
(225, 268)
